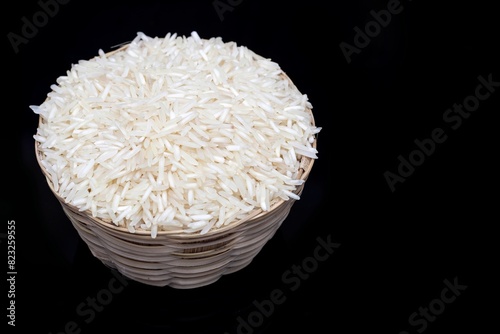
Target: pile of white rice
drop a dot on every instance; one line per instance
(175, 133)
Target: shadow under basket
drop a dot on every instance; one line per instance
(174, 258)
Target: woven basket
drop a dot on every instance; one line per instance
(176, 258)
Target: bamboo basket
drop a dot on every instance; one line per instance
(176, 258)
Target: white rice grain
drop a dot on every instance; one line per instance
(174, 133)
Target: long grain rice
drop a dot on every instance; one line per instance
(175, 132)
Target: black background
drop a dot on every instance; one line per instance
(396, 248)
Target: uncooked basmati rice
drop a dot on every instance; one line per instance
(175, 133)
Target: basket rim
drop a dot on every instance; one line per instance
(305, 167)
